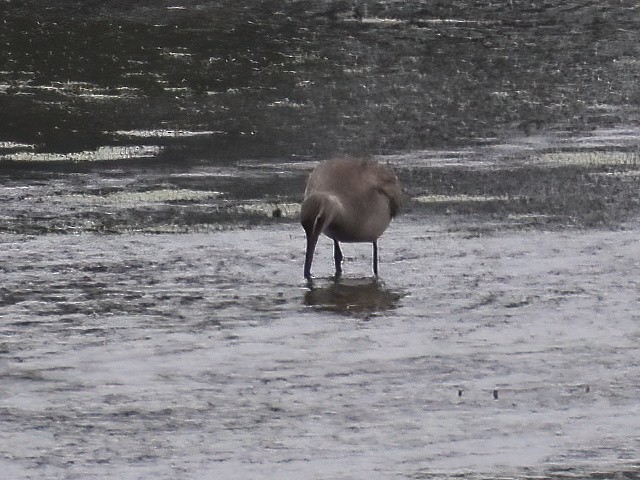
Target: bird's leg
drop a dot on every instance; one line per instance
(312, 239)
(375, 258)
(309, 280)
(337, 257)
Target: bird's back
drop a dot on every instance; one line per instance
(369, 193)
(354, 181)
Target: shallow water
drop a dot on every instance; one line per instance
(208, 356)
(154, 322)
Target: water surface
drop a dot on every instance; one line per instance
(206, 355)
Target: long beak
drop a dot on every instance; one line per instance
(312, 240)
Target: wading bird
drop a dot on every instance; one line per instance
(349, 200)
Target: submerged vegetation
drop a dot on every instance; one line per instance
(533, 196)
(546, 190)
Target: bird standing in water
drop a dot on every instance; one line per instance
(349, 200)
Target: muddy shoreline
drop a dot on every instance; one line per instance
(545, 182)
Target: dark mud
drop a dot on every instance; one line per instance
(552, 181)
(278, 78)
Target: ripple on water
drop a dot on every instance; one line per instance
(101, 154)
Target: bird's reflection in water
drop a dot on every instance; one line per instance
(351, 296)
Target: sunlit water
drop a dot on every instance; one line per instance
(208, 356)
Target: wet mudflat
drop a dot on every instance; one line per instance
(153, 318)
(481, 353)
(155, 323)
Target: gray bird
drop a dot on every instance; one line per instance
(349, 200)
